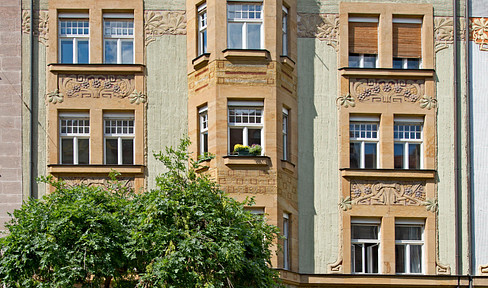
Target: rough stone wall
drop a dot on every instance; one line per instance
(10, 109)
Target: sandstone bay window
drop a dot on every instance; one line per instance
(74, 36)
(74, 133)
(119, 138)
(286, 241)
(202, 29)
(365, 243)
(118, 38)
(284, 31)
(363, 42)
(407, 47)
(363, 145)
(245, 123)
(203, 126)
(244, 25)
(408, 143)
(409, 245)
(285, 131)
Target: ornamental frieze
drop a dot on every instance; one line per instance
(96, 86)
(479, 32)
(324, 27)
(387, 90)
(158, 23)
(388, 193)
(40, 25)
(127, 182)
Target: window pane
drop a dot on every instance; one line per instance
(67, 151)
(415, 259)
(111, 151)
(127, 52)
(369, 61)
(400, 259)
(83, 151)
(67, 51)
(128, 151)
(372, 257)
(397, 63)
(205, 142)
(408, 233)
(370, 155)
(254, 36)
(110, 52)
(254, 137)
(235, 138)
(414, 156)
(398, 156)
(364, 232)
(357, 254)
(354, 152)
(413, 63)
(354, 60)
(234, 36)
(83, 49)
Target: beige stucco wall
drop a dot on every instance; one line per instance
(318, 179)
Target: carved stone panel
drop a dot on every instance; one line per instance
(479, 32)
(158, 23)
(387, 90)
(324, 27)
(98, 181)
(96, 86)
(388, 193)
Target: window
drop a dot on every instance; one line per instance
(118, 38)
(408, 247)
(202, 29)
(245, 123)
(74, 35)
(365, 246)
(408, 143)
(285, 135)
(286, 241)
(363, 147)
(363, 42)
(119, 139)
(74, 138)
(203, 116)
(244, 26)
(407, 47)
(284, 31)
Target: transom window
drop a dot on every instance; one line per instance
(408, 144)
(408, 248)
(244, 26)
(74, 138)
(119, 139)
(245, 123)
(74, 35)
(365, 247)
(118, 37)
(202, 29)
(363, 147)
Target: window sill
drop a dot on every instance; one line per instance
(203, 166)
(388, 173)
(286, 60)
(288, 166)
(201, 61)
(262, 161)
(384, 72)
(94, 169)
(90, 68)
(251, 54)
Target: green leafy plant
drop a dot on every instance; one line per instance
(240, 148)
(255, 149)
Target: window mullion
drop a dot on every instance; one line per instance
(363, 262)
(361, 158)
(245, 134)
(405, 153)
(119, 150)
(244, 35)
(75, 50)
(407, 258)
(75, 150)
(119, 50)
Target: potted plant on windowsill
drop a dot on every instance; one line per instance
(255, 150)
(241, 150)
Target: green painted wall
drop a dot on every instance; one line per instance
(164, 5)
(318, 179)
(167, 95)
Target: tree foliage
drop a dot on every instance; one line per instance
(184, 233)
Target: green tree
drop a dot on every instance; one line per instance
(184, 233)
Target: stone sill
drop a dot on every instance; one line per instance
(387, 72)
(388, 173)
(94, 169)
(96, 68)
(288, 166)
(201, 61)
(251, 54)
(286, 60)
(247, 160)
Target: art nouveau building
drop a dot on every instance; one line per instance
(368, 115)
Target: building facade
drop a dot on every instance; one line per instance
(366, 119)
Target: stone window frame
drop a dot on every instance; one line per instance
(245, 105)
(119, 136)
(75, 136)
(74, 37)
(411, 223)
(202, 37)
(246, 22)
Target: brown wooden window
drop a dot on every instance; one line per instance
(363, 42)
(407, 47)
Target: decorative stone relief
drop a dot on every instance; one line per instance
(337, 267)
(443, 32)
(483, 269)
(345, 204)
(346, 101)
(441, 269)
(41, 30)
(386, 90)
(479, 30)
(96, 86)
(428, 102)
(387, 193)
(26, 21)
(55, 97)
(159, 23)
(431, 205)
(137, 97)
(127, 182)
(324, 27)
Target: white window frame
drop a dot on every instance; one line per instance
(245, 22)
(361, 61)
(203, 127)
(286, 241)
(405, 63)
(245, 126)
(285, 131)
(366, 120)
(119, 136)
(366, 222)
(116, 17)
(407, 121)
(202, 29)
(408, 243)
(284, 31)
(78, 17)
(74, 136)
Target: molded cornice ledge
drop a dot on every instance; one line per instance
(252, 54)
(388, 173)
(387, 72)
(95, 169)
(96, 68)
(201, 61)
(287, 61)
(247, 160)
